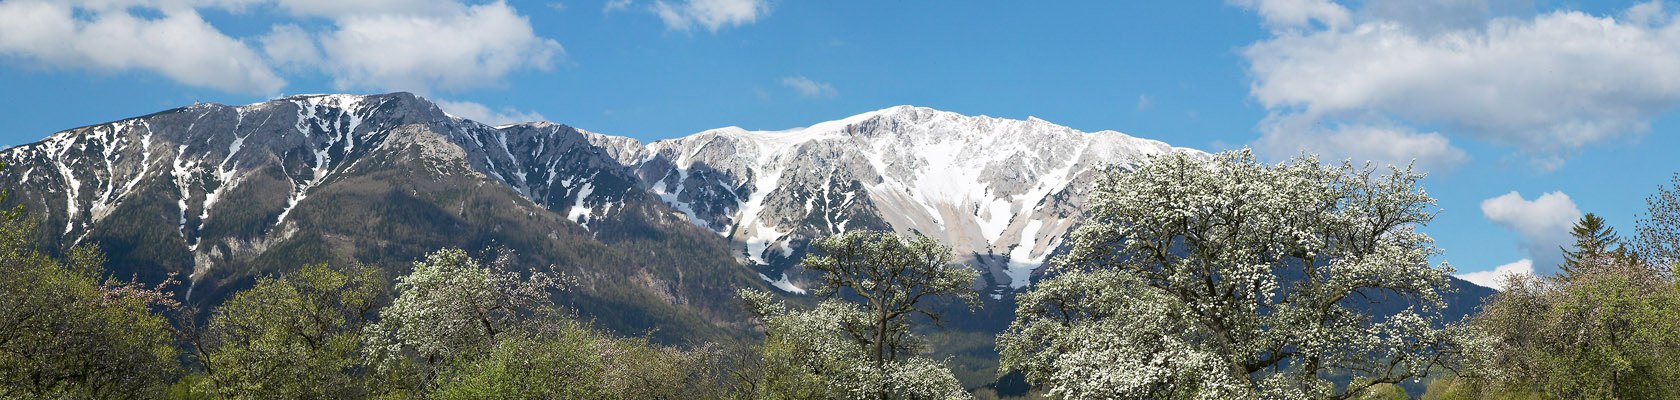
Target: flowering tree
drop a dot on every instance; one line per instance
(1221, 277)
(451, 308)
(298, 335)
(892, 278)
(813, 354)
(1659, 229)
(857, 343)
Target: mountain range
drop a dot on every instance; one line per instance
(659, 234)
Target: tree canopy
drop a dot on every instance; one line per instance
(1221, 277)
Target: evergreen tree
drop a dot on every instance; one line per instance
(1593, 239)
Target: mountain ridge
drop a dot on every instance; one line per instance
(221, 194)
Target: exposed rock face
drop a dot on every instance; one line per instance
(222, 194)
(1002, 193)
(660, 234)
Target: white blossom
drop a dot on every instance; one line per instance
(1222, 277)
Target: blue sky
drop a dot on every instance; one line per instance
(1567, 104)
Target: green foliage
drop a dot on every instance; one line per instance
(1593, 240)
(1611, 330)
(1222, 277)
(68, 333)
(295, 336)
(462, 329)
(892, 278)
(565, 365)
(1386, 391)
(452, 309)
(1463, 388)
(815, 354)
(857, 343)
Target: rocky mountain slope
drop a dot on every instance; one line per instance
(1002, 193)
(660, 234)
(222, 194)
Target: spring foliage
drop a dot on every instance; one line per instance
(1609, 328)
(1223, 277)
(298, 335)
(69, 332)
(857, 342)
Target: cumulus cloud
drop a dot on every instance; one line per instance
(1379, 143)
(1542, 223)
(409, 45)
(482, 113)
(1495, 278)
(809, 88)
(713, 15)
(179, 45)
(1284, 15)
(472, 47)
(1546, 85)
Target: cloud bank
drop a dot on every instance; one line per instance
(1418, 75)
(384, 45)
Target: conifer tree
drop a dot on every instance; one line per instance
(1593, 239)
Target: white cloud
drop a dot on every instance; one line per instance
(178, 44)
(1144, 102)
(473, 47)
(1496, 278)
(809, 88)
(339, 8)
(290, 47)
(407, 45)
(615, 5)
(1546, 85)
(1380, 143)
(1543, 223)
(1285, 15)
(481, 113)
(684, 15)
(1648, 13)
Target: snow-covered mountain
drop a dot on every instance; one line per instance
(1002, 193)
(659, 234)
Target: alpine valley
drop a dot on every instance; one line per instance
(659, 235)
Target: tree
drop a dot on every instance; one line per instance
(565, 365)
(68, 333)
(814, 354)
(451, 310)
(1658, 243)
(1220, 277)
(892, 278)
(857, 342)
(1593, 239)
(295, 336)
(1612, 330)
